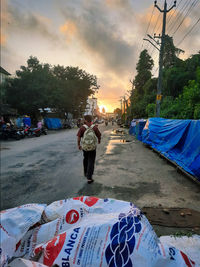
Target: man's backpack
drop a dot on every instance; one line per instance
(89, 140)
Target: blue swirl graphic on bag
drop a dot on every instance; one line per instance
(122, 241)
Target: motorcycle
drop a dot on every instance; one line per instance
(31, 132)
(10, 133)
(43, 130)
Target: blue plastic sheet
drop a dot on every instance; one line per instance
(178, 140)
(136, 129)
(27, 121)
(53, 123)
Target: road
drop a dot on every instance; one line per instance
(41, 169)
(49, 168)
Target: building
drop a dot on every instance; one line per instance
(3, 75)
(91, 107)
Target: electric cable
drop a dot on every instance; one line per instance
(189, 32)
(177, 19)
(188, 12)
(172, 13)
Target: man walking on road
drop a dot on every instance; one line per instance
(87, 137)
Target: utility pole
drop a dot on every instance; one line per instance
(124, 109)
(121, 107)
(159, 84)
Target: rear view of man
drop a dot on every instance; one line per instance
(87, 137)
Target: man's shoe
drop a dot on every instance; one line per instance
(90, 181)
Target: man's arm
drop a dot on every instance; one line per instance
(98, 134)
(79, 135)
(79, 142)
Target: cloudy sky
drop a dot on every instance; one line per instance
(103, 37)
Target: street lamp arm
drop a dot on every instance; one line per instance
(155, 4)
(174, 5)
(151, 43)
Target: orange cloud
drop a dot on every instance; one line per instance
(69, 29)
(2, 39)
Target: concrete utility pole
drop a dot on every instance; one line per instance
(159, 85)
(124, 109)
(121, 107)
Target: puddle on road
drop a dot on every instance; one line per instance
(112, 144)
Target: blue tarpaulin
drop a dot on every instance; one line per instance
(53, 123)
(27, 121)
(178, 140)
(136, 128)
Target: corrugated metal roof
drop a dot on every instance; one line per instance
(2, 70)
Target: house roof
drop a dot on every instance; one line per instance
(2, 70)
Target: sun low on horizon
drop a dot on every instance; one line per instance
(108, 108)
(101, 107)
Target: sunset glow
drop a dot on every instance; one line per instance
(103, 38)
(101, 108)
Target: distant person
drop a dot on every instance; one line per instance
(106, 122)
(87, 137)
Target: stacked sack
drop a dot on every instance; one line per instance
(87, 231)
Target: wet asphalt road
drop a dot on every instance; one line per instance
(40, 170)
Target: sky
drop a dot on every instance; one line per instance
(102, 37)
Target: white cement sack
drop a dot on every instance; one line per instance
(188, 245)
(25, 263)
(8, 244)
(61, 207)
(123, 237)
(15, 223)
(75, 211)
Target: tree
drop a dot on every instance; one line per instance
(138, 102)
(31, 89)
(118, 112)
(74, 85)
(171, 53)
(144, 67)
(38, 86)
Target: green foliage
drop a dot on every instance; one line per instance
(197, 112)
(37, 85)
(143, 86)
(170, 53)
(181, 86)
(144, 67)
(187, 104)
(118, 111)
(151, 110)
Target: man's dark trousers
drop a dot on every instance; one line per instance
(88, 163)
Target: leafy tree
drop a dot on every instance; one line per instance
(138, 101)
(73, 88)
(144, 67)
(151, 110)
(118, 112)
(31, 89)
(37, 85)
(171, 53)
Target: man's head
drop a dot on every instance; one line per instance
(88, 118)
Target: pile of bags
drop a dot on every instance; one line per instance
(83, 231)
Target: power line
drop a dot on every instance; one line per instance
(185, 5)
(170, 17)
(147, 27)
(188, 32)
(158, 18)
(150, 20)
(188, 12)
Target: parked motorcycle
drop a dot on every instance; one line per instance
(31, 132)
(43, 130)
(12, 133)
